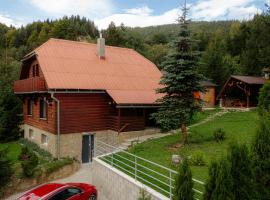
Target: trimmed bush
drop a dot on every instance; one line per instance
(184, 184)
(197, 159)
(219, 135)
(29, 161)
(6, 170)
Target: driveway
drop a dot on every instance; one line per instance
(83, 175)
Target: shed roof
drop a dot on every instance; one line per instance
(125, 74)
(208, 83)
(256, 80)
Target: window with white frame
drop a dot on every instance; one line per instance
(31, 133)
(43, 108)
(44, 139)
(30, 107)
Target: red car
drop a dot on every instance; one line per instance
(56, 191)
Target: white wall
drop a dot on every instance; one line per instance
(113, 184)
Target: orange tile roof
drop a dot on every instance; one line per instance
(125, 74)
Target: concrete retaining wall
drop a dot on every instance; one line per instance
(113, 184)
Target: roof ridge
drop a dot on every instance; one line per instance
(88, 43)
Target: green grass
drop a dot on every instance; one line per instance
(200, 116)
(239, 126)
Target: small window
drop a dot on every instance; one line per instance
(31, 133)
(43, 109)
(37, 70)
(30, 107)
(44, 139)
(66, 194)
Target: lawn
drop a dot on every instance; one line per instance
(239, 126)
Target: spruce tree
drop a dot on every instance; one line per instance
(241, 172)
(184, 184)
(264, 99)
(261, 156)
(179, 82)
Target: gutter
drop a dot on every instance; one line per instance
(58, 124)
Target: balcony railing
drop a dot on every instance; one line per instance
(36, 84)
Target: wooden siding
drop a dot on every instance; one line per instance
(84, 112)
(48, 124)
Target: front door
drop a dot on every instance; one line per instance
(88, 148)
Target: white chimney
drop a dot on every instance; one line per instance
(101, 47)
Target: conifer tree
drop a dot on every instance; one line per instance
(211, 182)
(261, 156)
(241, 172)
(223, 189)
(179, 82)
(184, 183)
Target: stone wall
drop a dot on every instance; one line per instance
(113, 184)
(70, 144)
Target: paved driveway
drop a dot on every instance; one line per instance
(83, 175)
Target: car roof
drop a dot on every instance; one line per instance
(42, 190)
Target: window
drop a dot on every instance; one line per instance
(66, 194)
(35, 70)
(44, 139)
(31, 133)
(43, 108)
(30, 107)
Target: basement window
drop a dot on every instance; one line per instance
(30, 107)
(31, 133)
(43, 108)
(44, 139)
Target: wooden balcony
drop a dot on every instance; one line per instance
(36, 84)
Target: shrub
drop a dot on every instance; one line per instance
(184, 183)
(261, 156)
(197, 159)
(34, 147)
(29, 161)
(6, 170)
(264, 99)
(57, 164)
(219, 135)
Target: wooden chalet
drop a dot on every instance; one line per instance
(241, 91)
(72, 90)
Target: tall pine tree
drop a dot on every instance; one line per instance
(179, 82)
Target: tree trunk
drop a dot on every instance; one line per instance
(184, 134)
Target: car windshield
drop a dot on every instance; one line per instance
(65, 194)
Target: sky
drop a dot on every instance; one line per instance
(130, 12)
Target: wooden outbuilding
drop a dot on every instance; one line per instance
(241, 91)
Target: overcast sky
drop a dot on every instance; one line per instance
(130, 12)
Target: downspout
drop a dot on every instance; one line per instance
(58, 124)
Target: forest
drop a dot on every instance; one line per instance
(225, 48)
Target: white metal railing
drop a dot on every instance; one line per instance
(147, 172)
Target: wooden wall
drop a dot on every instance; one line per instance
(85, 113)
(48, 124)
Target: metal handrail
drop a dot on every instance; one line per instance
(112, 152)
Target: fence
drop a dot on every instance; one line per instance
(156, 176)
